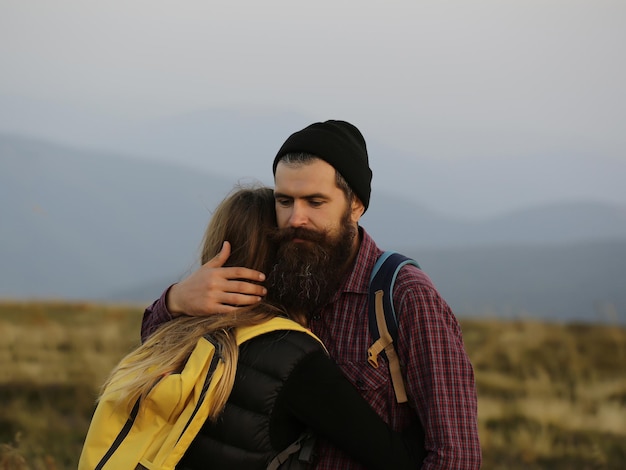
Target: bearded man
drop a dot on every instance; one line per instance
(322, 188)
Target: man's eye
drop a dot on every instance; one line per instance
(316, 203)
(283, 202)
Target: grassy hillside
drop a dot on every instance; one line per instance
(551, 396)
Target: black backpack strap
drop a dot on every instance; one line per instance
(120, 437)
(383, 322)
(215, 360)
(299, 455)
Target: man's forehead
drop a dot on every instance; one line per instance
(315, 161)
(318, 172)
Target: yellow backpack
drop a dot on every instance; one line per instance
(158, 431)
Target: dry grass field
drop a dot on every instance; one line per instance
(551, 396)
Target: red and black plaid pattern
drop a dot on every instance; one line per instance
(438, 374)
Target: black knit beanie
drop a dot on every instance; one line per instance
(341, 145)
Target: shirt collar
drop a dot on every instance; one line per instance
(357, 280)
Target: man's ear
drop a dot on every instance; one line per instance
(357, 209)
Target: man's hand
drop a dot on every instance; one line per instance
(215, 289)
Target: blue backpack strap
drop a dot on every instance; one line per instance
(383, 278)
(383, 322)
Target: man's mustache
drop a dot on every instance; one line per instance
(288, 234)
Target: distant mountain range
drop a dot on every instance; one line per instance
(237, 142)
(85, 224)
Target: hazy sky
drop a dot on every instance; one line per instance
(445, 79)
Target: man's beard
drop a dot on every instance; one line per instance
(308, 273)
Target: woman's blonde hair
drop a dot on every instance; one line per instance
(245, 219)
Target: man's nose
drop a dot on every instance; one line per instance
(298, 217)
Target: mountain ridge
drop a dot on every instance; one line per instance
(238, 141)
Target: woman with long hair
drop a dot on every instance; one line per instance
(276, 385)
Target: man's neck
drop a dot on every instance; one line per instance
(354, 252)
(356, 245)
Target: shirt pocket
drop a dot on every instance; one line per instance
(372, 382)
(374, 385)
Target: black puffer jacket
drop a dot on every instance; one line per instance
(253, 429)
(285, 382)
